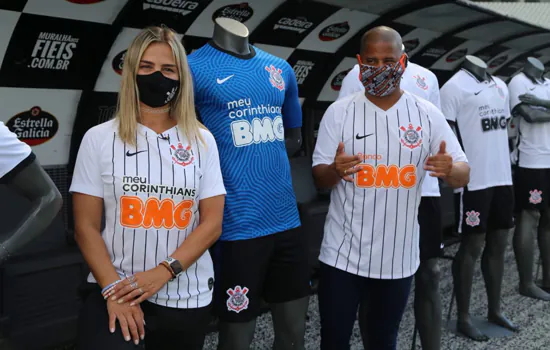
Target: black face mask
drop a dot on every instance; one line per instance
(156, 90)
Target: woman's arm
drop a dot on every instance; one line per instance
(205, 234)
(87, 212)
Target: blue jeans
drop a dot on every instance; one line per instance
(340, 294)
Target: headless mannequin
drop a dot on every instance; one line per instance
(33, 183)
(427, 305)
(492, 261)
(530, 222)
(288, 317)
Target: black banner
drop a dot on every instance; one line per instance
(13, 5)
(55, 53)
(310, 70)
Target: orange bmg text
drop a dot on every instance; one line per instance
(385, 176)
(135, 213)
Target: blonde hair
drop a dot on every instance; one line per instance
(182, 108)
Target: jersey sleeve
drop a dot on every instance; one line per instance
(435, 96)
(327, 139)
(441, 131)
(351, 83)
(450, 101)
(211, 182)
(12, 151)
(516, 88)
(292, 111)
(87, 170)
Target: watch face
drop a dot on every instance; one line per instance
(176, 266)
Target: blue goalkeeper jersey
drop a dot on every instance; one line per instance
(246, 102)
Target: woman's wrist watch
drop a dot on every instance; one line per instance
(174, 266)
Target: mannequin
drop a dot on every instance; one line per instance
(21, 172)
(231, 37)
(531, 220)
(469, 82)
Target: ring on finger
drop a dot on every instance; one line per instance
(141, 291)
(134, 285)
(131, 278)
(345, 171)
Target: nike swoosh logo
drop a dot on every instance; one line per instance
(128, 154)
(362, 137)
(221, 81)
(477, 93)
(531, 89)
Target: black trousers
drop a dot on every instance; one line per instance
(166, 328)
(341, 293)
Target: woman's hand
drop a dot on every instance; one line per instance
(140, 286)
(130, 319)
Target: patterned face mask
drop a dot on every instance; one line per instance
(382, 81)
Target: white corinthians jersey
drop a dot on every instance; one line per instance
(416, 80)
(12, 150)
(371, 228)
(151, 195)
(533, 150)
(481, 112)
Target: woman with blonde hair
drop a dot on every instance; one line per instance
(154, 170)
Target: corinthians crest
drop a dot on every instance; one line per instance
(237, 301)
(421, 82)
(411, 137)
(275, 77)
(182, 155)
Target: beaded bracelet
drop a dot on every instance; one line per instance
(108, 288)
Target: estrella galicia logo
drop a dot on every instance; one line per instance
(456, 55)
(34, 127)
(334, 31)
(411, 44)
(85, 2)
(498, 61)
(118, 62)
(336, 82)
(239, 12)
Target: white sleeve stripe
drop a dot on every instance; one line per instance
(114, 198)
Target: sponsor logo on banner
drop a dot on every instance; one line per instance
(334, 31)
(118, 62)
(299, 24)
(34, 127)
(85, 2)
(456, 55)
(498, 61)
(174, 6)
(411, 44)
(302, 68)
(239, 12)
(435, 52)
(336, 82)
(53, 51)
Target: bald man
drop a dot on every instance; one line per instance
(373, 150)
(427, 303)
